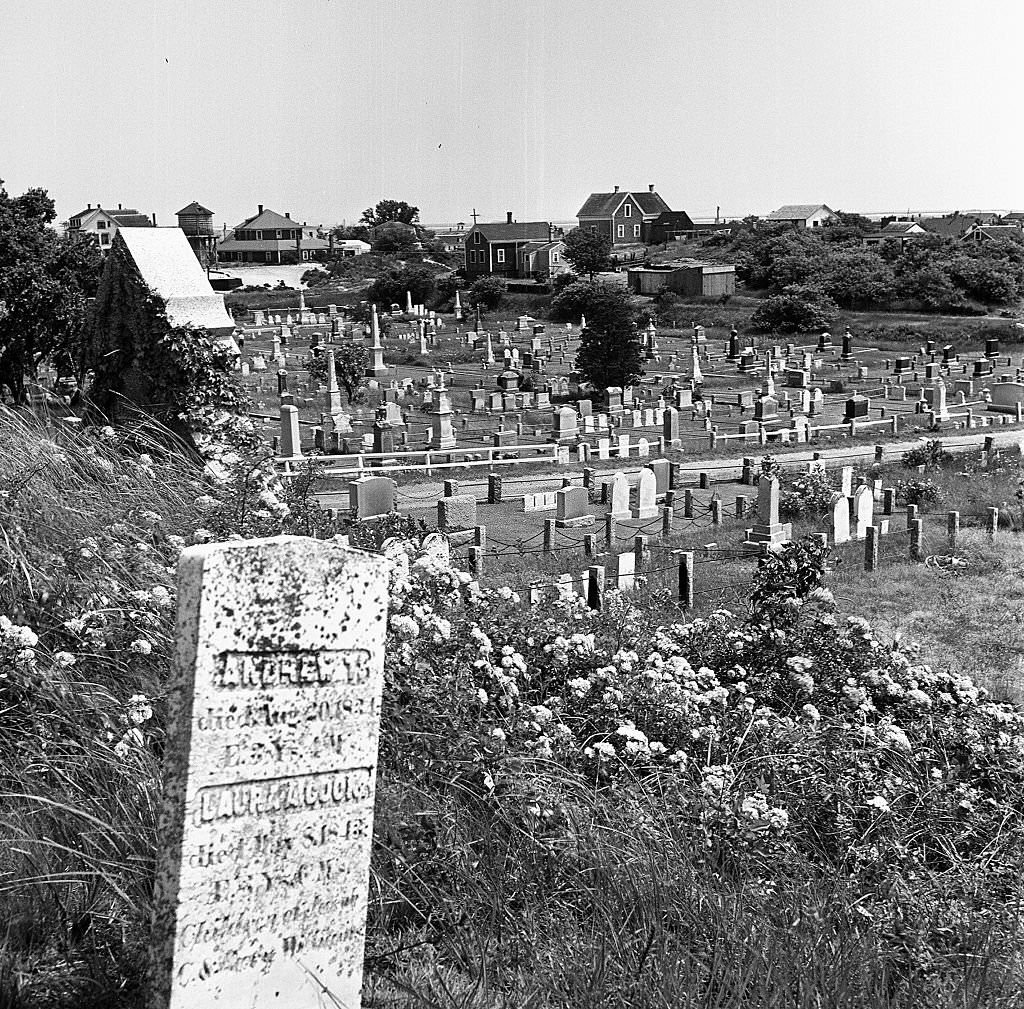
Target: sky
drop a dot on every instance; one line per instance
(320, 108)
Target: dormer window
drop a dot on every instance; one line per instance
(477, 238)
(627, 210)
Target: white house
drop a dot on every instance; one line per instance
(804, 215)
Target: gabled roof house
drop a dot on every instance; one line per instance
(267, 237)
(494, 248)
(625, 218)
(804, 215)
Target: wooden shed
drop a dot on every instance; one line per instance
(693, 279)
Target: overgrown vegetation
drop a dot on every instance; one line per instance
(575, 809)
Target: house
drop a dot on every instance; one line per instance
(344, 248)
(196, 221)
(1014, 217)
(624, 218)
(451, 239)
(690, 277)
(956, 225)
(671, 225)
(804, 215)
(895, 231)
(494, 248)
(980, 233)
(541, 260)
(267, 237)
(102, 224)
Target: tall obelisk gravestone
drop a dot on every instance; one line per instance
(270, 766)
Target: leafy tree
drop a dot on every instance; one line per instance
(932, 287)
(487, 292)
(350, 362)
(572, 300)
(390, 210)
(857, 278)
(610, 350)
(45, 279)
(587, 252)
(395, 237)
(796, 309)
(390, 288)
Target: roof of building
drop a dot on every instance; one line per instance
(673, 217)
(267, 220)
(542, 246)
(271, 244)
(195, 208)
(953, 225)
(900, 227)
(797, 211)
(605, 204)
(1014, 215)
(169, 267)
(89, 212)
(996, 230)
(130, 219)
(526, 231)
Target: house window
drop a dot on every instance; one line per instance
(554, 257)
(101, 225)
(104, 239)
(278, 234)
(501, 255)
(477, 238)
(814, 224)
(471, 256)
(620, 231)
(627, 210)
(593, 229)
(259, 236)
(636, 230)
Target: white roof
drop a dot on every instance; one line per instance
(170, 268)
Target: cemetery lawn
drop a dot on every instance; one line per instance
(575, 809)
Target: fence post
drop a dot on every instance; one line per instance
(549, 535)
(916, 537)
(741, 505)
(993, 522)
(595, 587)
(716, 512)
(588, 477)
(476, 561)
(688, 503)
(609, 529)
(686, 579)
(480, 537)
(667, 516)
(871, 548)
(952, 528)
(704, 481)
(493, 488)
(888, 500)
(879, 452)
(589, 545)
(912, 512)
(639, 552)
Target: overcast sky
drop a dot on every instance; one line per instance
(322, 107)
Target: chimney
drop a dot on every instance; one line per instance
(88, 206)
(154, 218)
(551, 231)
(260, 207)
(616, 189)
(508, 216)
(650, 188)
(119, 207)
(288, 214)
(718, 210)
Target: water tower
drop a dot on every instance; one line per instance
(197, 223)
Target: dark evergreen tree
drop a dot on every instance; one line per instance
(610, 351)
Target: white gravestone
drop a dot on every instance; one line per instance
(840, 518)
(270, 768)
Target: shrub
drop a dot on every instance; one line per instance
(917, 491)
(930, 454)
(798, 309)
(487, 293)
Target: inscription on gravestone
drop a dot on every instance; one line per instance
(270, 768)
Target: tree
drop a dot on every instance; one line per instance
(390, 287)
(395, 237)
(796, 309)
(610, 350)
(390, 210)
(487, 293)
(588, 252)
(45, 279)
(350, 362)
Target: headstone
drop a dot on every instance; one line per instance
(269, 773)
(456, 512)
(619, 507)
(646, 504)
(564, 428)
(839, 518)
(572, 507)
(863, 508)
(857, 408)
(370, 496)
(768, 530)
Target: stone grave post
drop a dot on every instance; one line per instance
(269, 769)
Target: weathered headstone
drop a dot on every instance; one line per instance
(646, 503)
(839, 518)
(572, 507)
(620, 497)
(370, 496)
(270, 767)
